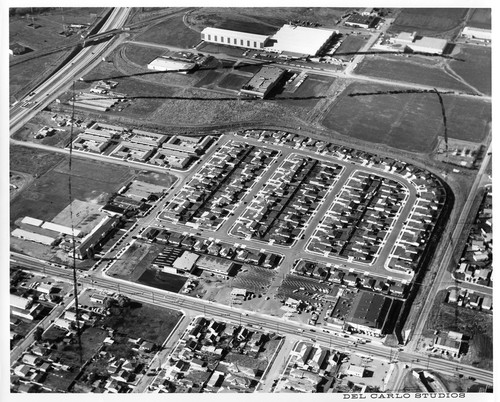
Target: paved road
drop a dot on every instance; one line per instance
(84, 61)
(257, 320)
(448, 255)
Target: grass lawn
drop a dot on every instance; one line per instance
(476, 70)
(407, 121)
(441, 22)
(233, 81)
(408, 70)
(172, 32)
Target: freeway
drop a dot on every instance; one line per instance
(83, 62)
(209, 309)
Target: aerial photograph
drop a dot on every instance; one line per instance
(250, 200)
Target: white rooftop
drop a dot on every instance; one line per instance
(301, 40)
(163, 64)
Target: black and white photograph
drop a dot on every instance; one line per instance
(249, 199)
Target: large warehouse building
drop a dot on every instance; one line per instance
(477, 33)
(234, 38)
(300, 41)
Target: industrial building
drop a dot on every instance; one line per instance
(477, 33)
(167, 64)
(234, 38)
(423, 44)
(35, 237)
(86, 248)
(368, 313)
(359, 21)
(300, 41)
(263, 82)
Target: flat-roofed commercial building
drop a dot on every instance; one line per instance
(166, 64)
(94, 238)
(477, 33)
(428, 45)
(422, 44)
(262, 82)
(300, 41)
(35, 237)
(368, 313)
(234, 38)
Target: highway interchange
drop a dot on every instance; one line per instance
(84, 62)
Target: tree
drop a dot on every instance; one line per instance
(37, 335)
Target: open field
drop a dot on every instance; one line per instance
(32, 161)
(142, 55)
(214, 108)
(232, 19)
(481, 18)
(147, 322)
(309, 92)
(407, 121)
(436, 22)
(266, 19)
(171, 32)
(49, 22)
(233, 81)
(476, 70)
(209, 80)
(91, 181)
(350, 45)
(408, 70)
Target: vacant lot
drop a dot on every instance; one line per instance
(476, 70)
(230, 18)
(263, 20)
(309, 93)
(350, 45)
(208, 81)
(193, 107)
(481, 18)
(408, 70)
(147, 322)
(227, 50)
(172, 32)
(163, 179)
(249, 67)
(436, 22)
(143, 55)
(90, 181)
(407, 121)
(32, 161)
(233, 81)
